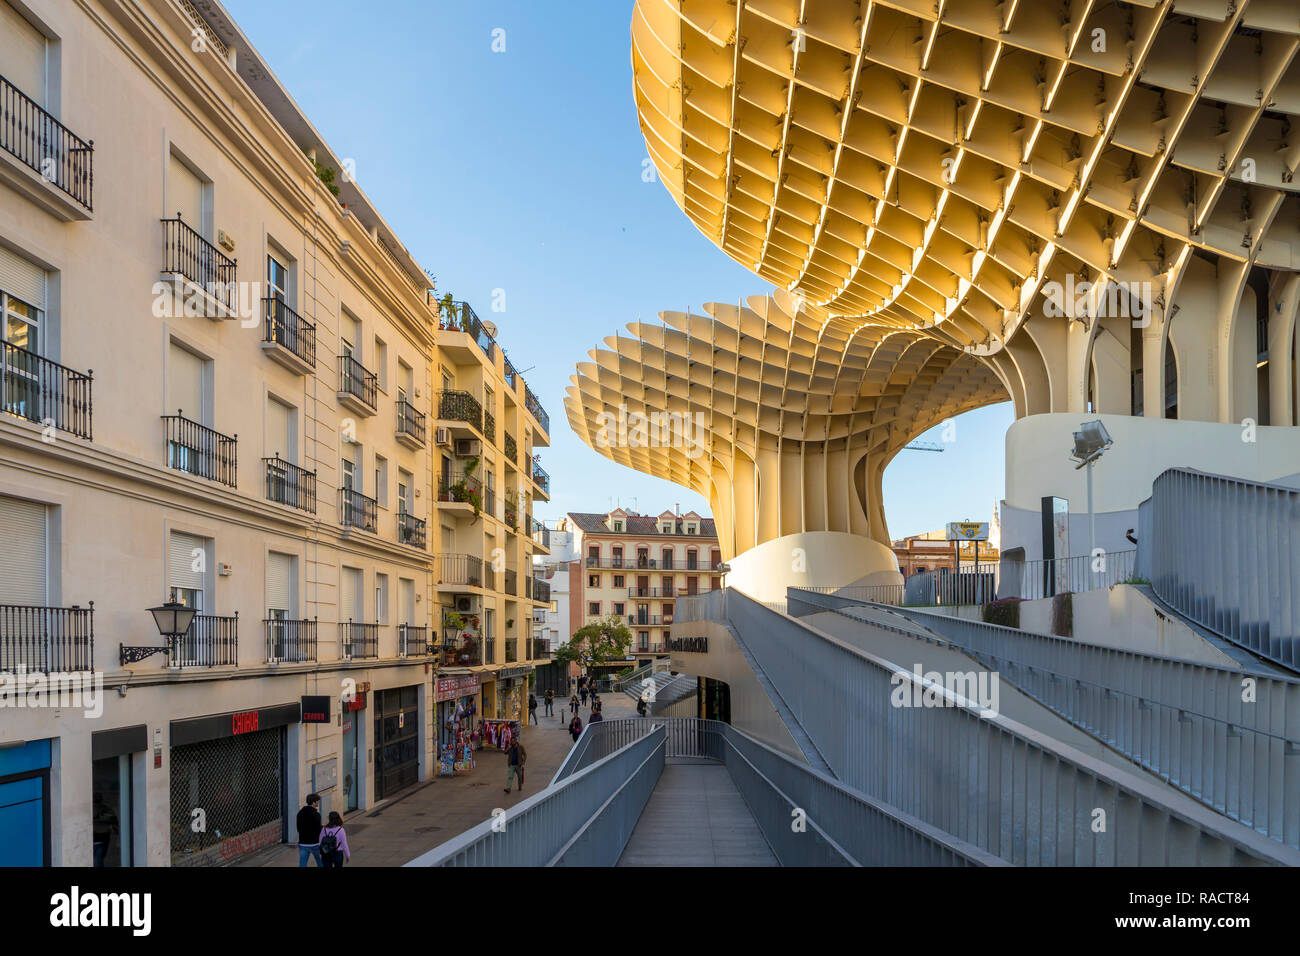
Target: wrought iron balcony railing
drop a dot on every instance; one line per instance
(460, 488)
(455, 405)
(460, 569)
(411, 422)
(357, 511)
(355, 379)
(46, 146)
(461, 653)
(41, 391)
(358, 640)
(647, 620)
(198, 450)
(290, 641)
(289, 484)
(283, 326)
(210, 642)
(188, 254)
(410, 530)
(413, 641)
(47, 640)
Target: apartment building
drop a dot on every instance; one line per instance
(634, 566)
(223, 426)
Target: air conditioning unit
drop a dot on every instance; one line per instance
(468, 447)
(467, 604)
(442, 436)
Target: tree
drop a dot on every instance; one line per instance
(597, 643)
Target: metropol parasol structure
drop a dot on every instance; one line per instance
(1085, 208)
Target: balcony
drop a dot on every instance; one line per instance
(541, 591)
(528, 587)
(210, 642)
(358, 387)
(287, 337)
(638, 592)
(647, 620)
(198, 450)
(289, 642)
(541, 479)
(411, 428)
(47, 640)
(455, 405)
(41, 391)
(534, 406)
(462, 318)
(357, 511)
(413, 641)
(410, 530)
(462, 489)
(203, 278)
(642, 648)
(512, 581)
(512, 450)
(510, 512)
(465, 570)
(539, 533)
(489, 427)
(465, 652)
(51, 166)
(512, 650)
(538, 650)
(288, 484)
(358, 640)
(508, 371)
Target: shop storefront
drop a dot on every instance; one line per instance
(397, 739)
(25, 804)
(457, 716)
(113, 755)
(227, 784)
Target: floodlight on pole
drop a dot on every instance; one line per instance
(1090, 443)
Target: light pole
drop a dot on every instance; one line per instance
(1090, 442)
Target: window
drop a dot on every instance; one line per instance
(666, 558)
(277, 279)
(22, 302)
(618, 526)
(405, 382)
(189, 195)
(692, 560)
(406, 600)
(281, 586)
(593, 580)
(381, 363)
(593, 609)
(23, 559)
(690, 529)
(351, 602)
(381, 480)
(667, 582)
(448, 382)
(593, 553)
(618, 581)
(618, 609)
(187, 570)
(381, 598)
(281, 430)
(22, 51)
(349, 336)
(187, 384)
(405, 482)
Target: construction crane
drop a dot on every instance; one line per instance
(923, 446)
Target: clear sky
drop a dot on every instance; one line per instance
(522, 171)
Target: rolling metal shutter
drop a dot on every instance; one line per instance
(350, 595)
(182, 561)
(23, 556)
(20, 278)
(22, 51)
(184, 194)
(185, 383)
(279, 583)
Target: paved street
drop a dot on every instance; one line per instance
(420, 818)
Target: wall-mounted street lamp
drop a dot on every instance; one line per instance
(173, 620)
(1090, 443)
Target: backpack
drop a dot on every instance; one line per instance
(329, 841)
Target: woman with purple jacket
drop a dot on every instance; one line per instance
(334, 842)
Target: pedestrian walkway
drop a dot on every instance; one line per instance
(696, 817)
(423, 816)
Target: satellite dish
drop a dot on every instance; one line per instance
(490, 328)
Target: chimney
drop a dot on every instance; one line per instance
(677, 509)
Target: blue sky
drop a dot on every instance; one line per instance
(521, 171)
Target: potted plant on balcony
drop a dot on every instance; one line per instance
(447, 311)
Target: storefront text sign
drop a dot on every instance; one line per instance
(463, 685)
(243, 723)
(356, 703)
(316, 709)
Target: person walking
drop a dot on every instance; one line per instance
(550, 701)
(334, 843)
(515, 758)
(575, 727)
(595, 715)
(309, 831)
(582, 692)
(532, 708)
(641, 706)
(573, 704)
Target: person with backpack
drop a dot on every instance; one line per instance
(309, 831)
(575, 726)
(334, 842)
(550, 701)
(532, 708)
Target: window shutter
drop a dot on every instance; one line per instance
(350, 589)
(184, 194)
(279, 583)
(279, 431)
(406, 600)
(23, 557)
(22, 51)
(181, 561)
(21, 278)
(185, 384)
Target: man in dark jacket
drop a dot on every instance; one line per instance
(309, 830)
(595, 716)
(515, 758)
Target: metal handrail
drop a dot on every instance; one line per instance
(188, 254)
(290, 484)
(199, 450)
(285, 327)
(47, 639)
(45, 145)
(43, 391)
(410, 421)
(357, 380)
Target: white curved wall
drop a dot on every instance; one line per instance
(823, 558)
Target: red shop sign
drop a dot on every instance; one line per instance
(462, 685)
(244, 723)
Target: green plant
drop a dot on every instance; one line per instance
(1063, 614)
(447, 308)
(1005, 612)
(324, 173)
(1137, 581)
